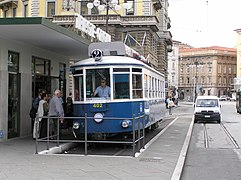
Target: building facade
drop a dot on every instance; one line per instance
(172, 76)
(206, 71)
(238, 53)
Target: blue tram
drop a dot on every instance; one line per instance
(129, 87)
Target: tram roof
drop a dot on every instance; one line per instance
(109, 60)
(113, 61)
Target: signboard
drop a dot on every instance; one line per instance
(87, 27)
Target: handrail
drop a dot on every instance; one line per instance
(55, 138)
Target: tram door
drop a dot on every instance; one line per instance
(13, 95)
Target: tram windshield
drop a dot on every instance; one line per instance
(97, 83)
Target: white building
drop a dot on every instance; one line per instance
(173, 69)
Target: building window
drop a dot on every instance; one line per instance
(208, 79)
(188, 80)
(130, 9)
(219, 68)
(14, 12)
(209, 68)
(50, 9)
(219, 80)
(5, 13)
(130, 39)
(173, 78)
(41, 66)
(224, 69)
(173, 65)
(230, 70)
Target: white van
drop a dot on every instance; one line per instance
(207, 108)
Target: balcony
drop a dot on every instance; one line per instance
(139, 21)
(116, 19)
(7, 4)
(167, 36)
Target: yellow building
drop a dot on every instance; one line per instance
(238, 53)
(142, 25)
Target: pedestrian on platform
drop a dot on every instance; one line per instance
(56, 108)
(170, 105)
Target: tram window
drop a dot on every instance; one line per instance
(146, 85)
(121, 86)
(78, 88)
(94, 78)
(78, 72)
(137, 86)
(136, 70)
(121, 70)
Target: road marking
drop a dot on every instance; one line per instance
(181, 160)
(155, 138)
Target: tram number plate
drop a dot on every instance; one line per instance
(207, 116)
(97, 105)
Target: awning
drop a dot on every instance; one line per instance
(44, 34)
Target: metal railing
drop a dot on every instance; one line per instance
(138, 134)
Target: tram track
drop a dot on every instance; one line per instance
(209, 138)
(206, 142)
(230, 136)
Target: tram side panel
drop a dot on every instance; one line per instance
(116, 117)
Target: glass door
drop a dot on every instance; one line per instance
(13, 95)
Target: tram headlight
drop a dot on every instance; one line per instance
(76, 125)
(98, 117)
(125, 123)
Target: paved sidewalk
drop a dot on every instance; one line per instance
(162, 159)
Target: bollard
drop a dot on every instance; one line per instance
(133, 132)
(139, 132)
(86, 134)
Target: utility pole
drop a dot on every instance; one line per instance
(196, 66)
(107, 15)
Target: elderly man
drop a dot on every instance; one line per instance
(56, 106)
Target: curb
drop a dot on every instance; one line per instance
(58, 150)
(181, 160)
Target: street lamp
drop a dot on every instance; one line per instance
(195, 64)
(107, 5)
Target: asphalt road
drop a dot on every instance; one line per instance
(214, 150)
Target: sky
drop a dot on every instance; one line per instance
(203, 23)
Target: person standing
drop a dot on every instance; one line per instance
(34, 108)
(56, 107)
(43, 111)
(68, 111)
(170, 105)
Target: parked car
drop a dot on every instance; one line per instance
(207, 108)
(223, 98)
